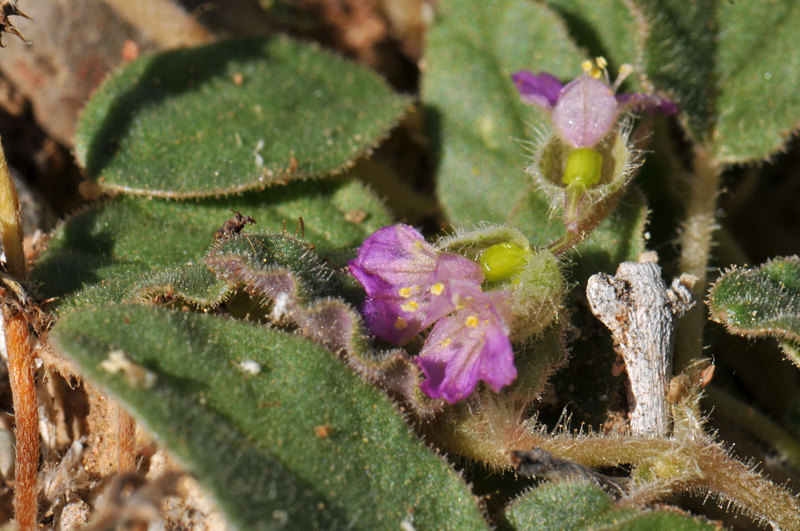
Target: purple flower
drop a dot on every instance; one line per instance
(585, 109)
(409, 284)
(469, 345)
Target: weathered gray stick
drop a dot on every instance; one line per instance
(640, 310)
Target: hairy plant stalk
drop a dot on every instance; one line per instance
(26, 416)
(20, 359)
(696, 241)
(693, 465)
(126, 438)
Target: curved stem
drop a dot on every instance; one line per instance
(564, 243)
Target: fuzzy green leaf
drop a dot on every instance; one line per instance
(731, 67)
(678, 44)
(760, 302)
(758, 107)
(275, 252)
(302, 440)
(287, 271)
(580, 505)
(232, 116)
(129, 246)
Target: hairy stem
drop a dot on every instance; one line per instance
(695, 464)
(20, 358)
(26, 416)
(696, 241)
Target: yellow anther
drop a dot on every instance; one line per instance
(410, 306)
(405, 292)
(446, 342)
(401, 323)
(472, 321)
(601, 62)
(587, 66)
(437, 288)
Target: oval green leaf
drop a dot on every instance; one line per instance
(758, 105)
(232, 116)
(760, 302)
(277, 428)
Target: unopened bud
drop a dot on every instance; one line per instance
(584, 168)
(502, 261)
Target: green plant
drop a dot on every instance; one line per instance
(250, 352)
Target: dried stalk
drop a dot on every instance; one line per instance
(641, 311)
(26, 416)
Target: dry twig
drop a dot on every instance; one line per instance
(640, 310)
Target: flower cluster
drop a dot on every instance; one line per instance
(410, 286)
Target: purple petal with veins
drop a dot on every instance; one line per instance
(467, 346)
(408, 282)
(585, 112)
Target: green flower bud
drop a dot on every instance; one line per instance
(502, 261)
(532, 276)
(584, 168)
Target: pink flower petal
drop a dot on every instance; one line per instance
(408, 282)
(467, 346)
(585, 112)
